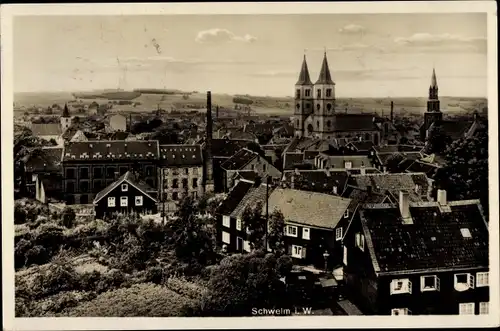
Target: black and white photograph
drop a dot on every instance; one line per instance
(301, 164)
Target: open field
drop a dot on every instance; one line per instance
(261, 105)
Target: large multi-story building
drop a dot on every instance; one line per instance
(90, 166)
(180, 174)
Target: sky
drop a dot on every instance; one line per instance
(370, 55)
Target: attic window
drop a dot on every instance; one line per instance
(466, 233)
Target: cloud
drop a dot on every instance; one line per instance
(445, 42)
(222, 36)
(352, 29)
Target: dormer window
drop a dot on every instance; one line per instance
(466, 233)
(346, 214)
(429, 283)
(463, 282)
(401, 286)
(124, 187)
(348, 164)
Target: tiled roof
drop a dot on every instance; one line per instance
(354, 122)
(111, 150)
(239, 160)
(251, 199)
(385, 157)
(181, 155)
(261, 128)
(359, 196)
(456, 129)
(249, 175)
(291, 160)
(321, 181)
(229, 147)
(427, 168)
(338, 161)
(234, 197)
(45, 159)
(309, 208)
(130, 179)
(433, 241)
(397, 148)
(46, 129)
(393, 182)
(361, 145)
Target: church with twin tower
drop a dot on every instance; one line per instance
(315, 113)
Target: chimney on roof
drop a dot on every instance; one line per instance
(362, 169)
(297, 172)
(441, 197)
(392, 111)
(404, 207)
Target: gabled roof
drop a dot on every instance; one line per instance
(308, 208)
(321, 181)
(234, 197)
(239, 160)
(181, 155)
(229, 147)
(292, 160)
(398, 148)
(339, 161)
(256, 195)
(427, 168)
(46, 129)
(433, 242)
(111, 150)
(128, 178)
(324, 74)
(304, 78)
(361, 146)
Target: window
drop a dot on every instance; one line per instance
(465, 233)
(123, 201)
(464, 282)
(291, 231)
(308, 93)
(345, 255)
(175, 196)
(297, 95)
(184, 183)
(175, 183)
(319, 94)
(84, 186)
(97, 172)
(246, 246)
(466, 308)
(482, 279)
(348, 164)
(400, 311)
(195, 182)
(338, 233)
(84, 173)
(226, 221)
(226, 238)
(238, 224)
(111, 202)
(328, 92)
(484, 308)
(346, 214)
(400, 286)
(318, 106)
(429, 283)
(306, 233)
(360, 241)
(70, 173)
(253, 167)
(239, 243)
(298, 107)
(124, 187)
(138, 200)
(186, 171)
(264, 167)
(298, 252)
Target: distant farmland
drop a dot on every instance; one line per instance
(116, 95)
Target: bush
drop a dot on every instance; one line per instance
(21, 250)
(20, 216)
(144, 300)
(37, 255)
(54, 279)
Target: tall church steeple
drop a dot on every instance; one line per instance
(324, 99)
(324, 75)
(433, 113)
(303, 99)
(65, 119)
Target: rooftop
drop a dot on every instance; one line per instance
(234, 197)
(111, 150)
(46, 129)
(181, 155)
(239, 160)
(309, 208)
(130, 178)
(433, 241)
(256, 194)
(321, 181)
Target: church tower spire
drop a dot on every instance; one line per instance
(325, 77)
(304, 78)
(433, 113)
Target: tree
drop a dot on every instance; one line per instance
(255, 226)
(465, 175)
(437, 140)
(68, 217)
(191, 239)
(276, 232)
(242, 282)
